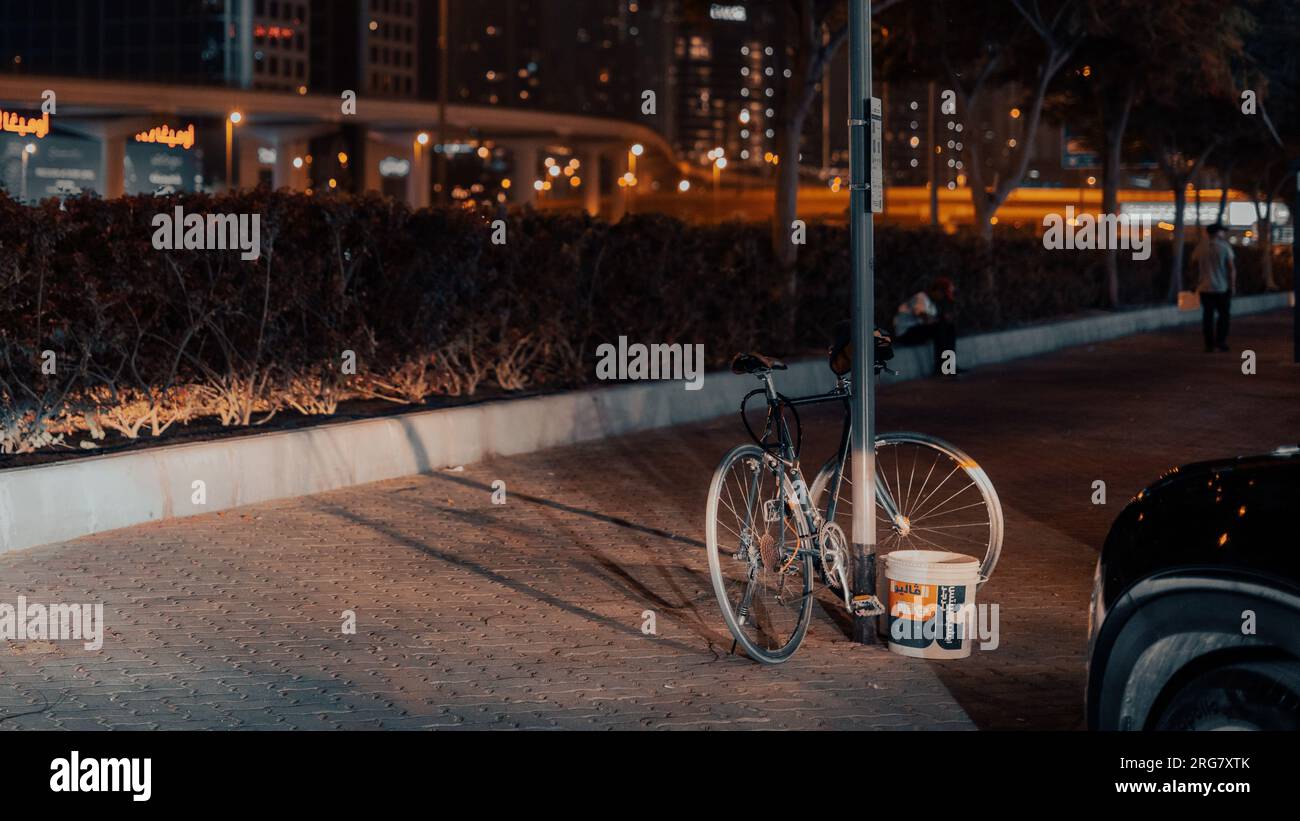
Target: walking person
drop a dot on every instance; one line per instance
(930, 316)
(1217, 266)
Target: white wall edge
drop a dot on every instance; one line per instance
(44, 504)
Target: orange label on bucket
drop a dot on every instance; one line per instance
(909, 600)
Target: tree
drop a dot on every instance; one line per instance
(1268, 174)
(1097, 97)
(819, 28)
(1189, 106)
(1270, 71)
(1059, 29)
(973, 49)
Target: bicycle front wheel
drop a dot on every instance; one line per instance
(761, 570)
(930, 496)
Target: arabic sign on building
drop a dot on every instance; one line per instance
(168, 136)
(155, 169)
(64, 165)
(14, 123)
(58, 166)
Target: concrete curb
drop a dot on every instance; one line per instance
(44, 504)
(1005, 346)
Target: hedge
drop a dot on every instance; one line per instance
(428, 306)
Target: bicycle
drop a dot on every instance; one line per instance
(763, 578)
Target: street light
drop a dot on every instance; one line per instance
(632, 153)
(718, 164)
(233, 120)
(28, 151)
(418, 181)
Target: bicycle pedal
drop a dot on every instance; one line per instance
(773, 510)
(867, 606)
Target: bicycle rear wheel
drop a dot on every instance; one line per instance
(942, 499)
(761, 576)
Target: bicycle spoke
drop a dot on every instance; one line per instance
(913, 535)
(898, 482)
(930, 473)
(938, 486)
(910, 477)
(952, 527)
(949, 499)
(884, 480)
(980, 503)
(732, 532)
(959, 537)
(730, 503)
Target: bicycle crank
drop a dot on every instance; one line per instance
(833, 548)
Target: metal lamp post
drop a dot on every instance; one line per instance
(864, 113)
(28, 151)
(233, 120)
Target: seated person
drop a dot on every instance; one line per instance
(929, 316)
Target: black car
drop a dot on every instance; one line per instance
(1195, 615)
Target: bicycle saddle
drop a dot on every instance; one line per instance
(755, 363)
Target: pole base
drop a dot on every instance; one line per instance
(866, 606)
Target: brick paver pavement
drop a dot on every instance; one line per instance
(530, 615)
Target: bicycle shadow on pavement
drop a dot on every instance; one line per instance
(622, 581)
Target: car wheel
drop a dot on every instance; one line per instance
(1262, 695)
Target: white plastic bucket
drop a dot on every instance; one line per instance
(931, 603)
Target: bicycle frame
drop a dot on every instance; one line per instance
(789, 456)
(811, 520)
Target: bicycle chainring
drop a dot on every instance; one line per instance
(833, 549)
